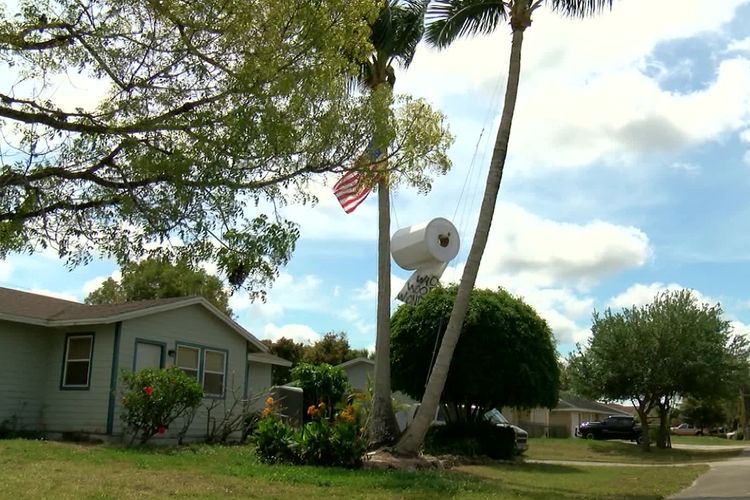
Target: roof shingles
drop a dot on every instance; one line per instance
(20, 304)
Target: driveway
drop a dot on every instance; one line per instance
(727, 479)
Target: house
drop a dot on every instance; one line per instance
(60, 361)
(360, 372)
(361, 375)
(564, 419)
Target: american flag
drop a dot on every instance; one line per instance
(351, 190)
(353, 187)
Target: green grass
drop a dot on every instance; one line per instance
(574, 449)
(707, 441)
(39, 469)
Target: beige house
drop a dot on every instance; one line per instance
(563, 420)
(60, 361)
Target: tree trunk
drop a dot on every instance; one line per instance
(412, 440)
(643, 416)
(383, 427)
(662, 438)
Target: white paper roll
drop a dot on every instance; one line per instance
(423, 244)
(427, 248)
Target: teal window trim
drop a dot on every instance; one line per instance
(163, 345)
(224, 374)
(63, 370)
(201, 363)
(113, 378)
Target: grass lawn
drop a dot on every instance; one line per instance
(707, 441)
(619, 451)
(39, 469)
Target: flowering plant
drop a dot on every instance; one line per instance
(153, 398)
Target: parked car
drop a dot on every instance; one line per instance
(612, 427)
(495, 417)
(686, 429)
(522, 437)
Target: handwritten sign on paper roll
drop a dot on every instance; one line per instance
(426, 248)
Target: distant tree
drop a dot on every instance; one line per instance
(333, 349)
(707, 412)
(655, 353)
(287, 349)
(505, 356)
(157, 278)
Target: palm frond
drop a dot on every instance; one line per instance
(408, 26)
(580, 8)
(451, 19)
(398, 29)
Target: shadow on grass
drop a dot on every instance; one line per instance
(633, 452)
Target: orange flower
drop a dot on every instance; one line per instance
(312, 411)
(269, 401)
(266, 412)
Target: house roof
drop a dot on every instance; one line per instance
(571, 402)
(268, 358)
(31, 308)
(356, 361)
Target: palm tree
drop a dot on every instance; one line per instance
(447, 20)
(395, 35)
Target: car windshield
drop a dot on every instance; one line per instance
(495, 417)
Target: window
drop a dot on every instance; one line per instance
(214, 367)
(77, 364)
(187, 360)
(148, 355)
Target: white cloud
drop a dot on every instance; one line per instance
(745, 135)
(641, 294)
(746, 158)
(94, 283)
(368, 292)
(6, 269)
(287, 293)
(686, 167)
(547, 252)
(297, 332)
(52, 293)
(548, 263)
(603, 107)
(740, 45)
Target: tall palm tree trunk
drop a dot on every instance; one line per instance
(383, 427)
(413, 438)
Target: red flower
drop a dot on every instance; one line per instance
(148, 390)
(162, 429)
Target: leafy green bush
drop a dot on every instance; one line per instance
(337, 443)
(322, 382)
(153, 398)
(471, 439)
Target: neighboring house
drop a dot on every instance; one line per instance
(361, 375)
(60, 361)
(360, 372)
(564, 419)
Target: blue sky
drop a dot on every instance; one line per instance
(627, 174)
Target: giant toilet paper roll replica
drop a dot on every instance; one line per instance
(427, 248)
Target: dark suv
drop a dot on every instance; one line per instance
(612, 427)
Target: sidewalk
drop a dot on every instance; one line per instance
(726, 479)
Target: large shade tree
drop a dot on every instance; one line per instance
(653, 354)
(196, 113)
(447, 21)
(506, 355)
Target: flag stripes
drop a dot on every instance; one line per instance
(351, 191)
